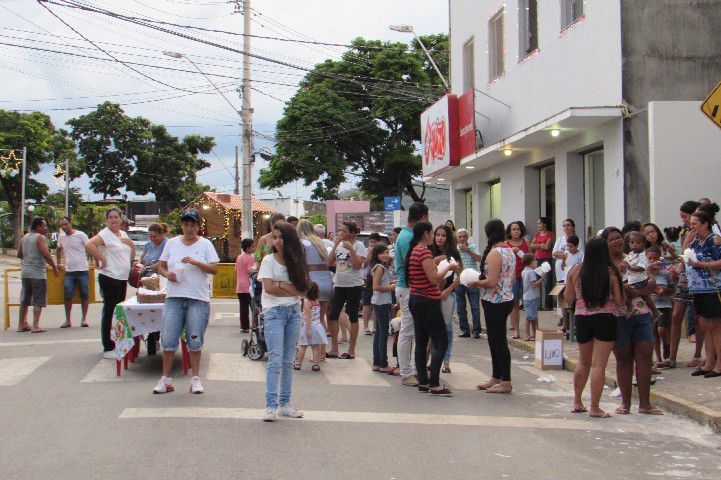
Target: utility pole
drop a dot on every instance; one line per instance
(237, 173)
(67, 187)
(246, 115)
(22, 193)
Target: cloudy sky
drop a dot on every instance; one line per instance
(65, 86)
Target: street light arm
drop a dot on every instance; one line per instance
(438, 71)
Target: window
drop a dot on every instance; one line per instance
(528, 27)
(571, 11)
(469, 72)
(495, 46)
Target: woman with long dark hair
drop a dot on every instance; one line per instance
(498, 267)
(515, 241)
(444, 248)
(704, 283)
(595, 286)
(682, 298)
(348, 256)
(634, 342)
(284, 274)
(425, 305)
(541, 247)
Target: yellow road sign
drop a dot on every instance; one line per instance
(711, 107)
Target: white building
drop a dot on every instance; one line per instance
(588, 110)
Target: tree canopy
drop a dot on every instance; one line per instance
(131, 153)
(358, 119)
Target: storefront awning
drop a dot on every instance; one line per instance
(569, 123)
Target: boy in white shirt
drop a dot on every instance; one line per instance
(531, 295)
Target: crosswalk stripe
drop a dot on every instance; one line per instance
(372, 417)
(353, 372)
(49, 342)
(234, 367)
(105, 371)
(14, 370)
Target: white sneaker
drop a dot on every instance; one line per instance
(165, 385)
(196, 386)
(288, 411)
(269, 415)
(109, 355)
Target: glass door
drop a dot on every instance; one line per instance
(593, 192)
(547, 177)
(495, 192)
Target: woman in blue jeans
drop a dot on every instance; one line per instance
(634, 342)
(186, 261)
(444, 248)
(284, 274)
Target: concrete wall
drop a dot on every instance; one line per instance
(685, 158)
(671, 51)
(287, 206)
(578, 67)
(519, 177)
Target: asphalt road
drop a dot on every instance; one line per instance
(64, 414)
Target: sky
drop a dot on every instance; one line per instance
(66, 86)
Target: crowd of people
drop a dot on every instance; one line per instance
(627, 291)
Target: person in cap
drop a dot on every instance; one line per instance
(187, 262)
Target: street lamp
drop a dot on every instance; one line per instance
(409, 29)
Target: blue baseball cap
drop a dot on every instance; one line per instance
(190, 215)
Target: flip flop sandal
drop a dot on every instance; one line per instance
(446, 370)
(331, 355)
(604, 415)
(84, 325)
(38, 331)
(515, 337)
(486, 386)
(65, 325)
(653, 411)
(316, 368)
(346, 356)
(583, 409)
(368, 332)
(26, 329)
(622, 411)
(296, 367)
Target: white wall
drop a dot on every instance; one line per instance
(519, 193)
(580, 67)
(287, 206)
(684, 158)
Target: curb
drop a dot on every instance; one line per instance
(668, 401)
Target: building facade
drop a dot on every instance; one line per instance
(571, 97)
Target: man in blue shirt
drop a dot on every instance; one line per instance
(416, 213)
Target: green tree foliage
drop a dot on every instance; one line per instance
(172, 219)
(133, 154)
(317, 218)
(90, 218)
(57, 199)
(45, 145)
(359, 115)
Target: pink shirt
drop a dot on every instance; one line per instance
(243, 263)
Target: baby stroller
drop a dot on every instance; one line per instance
(255, 347)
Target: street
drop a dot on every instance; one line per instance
(65, 414)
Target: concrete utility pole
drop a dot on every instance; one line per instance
(246, 115)
(22, 192)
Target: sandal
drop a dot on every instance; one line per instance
(500, 388)
(583, 409)
(515, 337)
(296, 366)
(602, 415)
(39, 330)
(84, 324)
(24, 329)
(489, 384)
(653, 411)
(666, 364)
(316, 368)
(65, 325)
(532, 339)
(446, 369)
(346, 356)
(331, 355)
(622, 411)
(368, 332)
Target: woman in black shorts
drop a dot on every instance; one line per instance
(595, 286)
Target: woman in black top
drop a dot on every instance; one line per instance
(444, 248)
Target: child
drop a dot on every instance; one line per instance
(662, 299)
(635, 272)
(368, 310)
(244, 267)
(572, 256)
(531, 295)
(379, 275)
(312, 332)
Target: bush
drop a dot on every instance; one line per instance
(318, 218)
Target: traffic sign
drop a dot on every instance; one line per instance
(711, 107)
(391, 203)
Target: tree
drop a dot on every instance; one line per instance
(317, 218)
(358, 119)
(90, 218)
(45, 145)
(57, 199)
(133, 154)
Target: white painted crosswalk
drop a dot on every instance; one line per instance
(14, 370)
(234, 367)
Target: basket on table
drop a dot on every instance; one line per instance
(150, 296)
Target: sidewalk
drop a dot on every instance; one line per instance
(675, 390)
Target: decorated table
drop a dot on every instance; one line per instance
(133, 320)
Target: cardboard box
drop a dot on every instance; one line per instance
(557, 292)
(549, 350)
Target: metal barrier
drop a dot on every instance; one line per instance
(56, 290)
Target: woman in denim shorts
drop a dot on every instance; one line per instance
(186, 261)
(285, 278)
